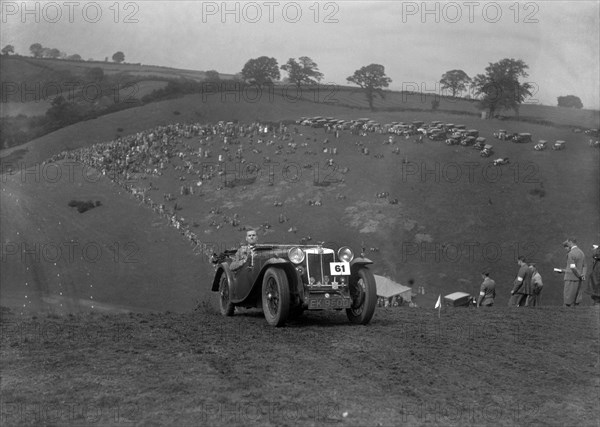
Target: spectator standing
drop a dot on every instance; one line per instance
(593, 285)
(574, 273)
(487, 291)
(517, 297)
(534, 299)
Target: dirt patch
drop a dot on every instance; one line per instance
(371, 217)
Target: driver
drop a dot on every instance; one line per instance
(241, 256)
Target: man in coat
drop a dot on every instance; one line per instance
(519, 292)
(487, 291)
(593, 287)
(574, 273)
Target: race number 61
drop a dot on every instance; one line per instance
(339, 268)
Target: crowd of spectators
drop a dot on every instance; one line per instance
(130, 160)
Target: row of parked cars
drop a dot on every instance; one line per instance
(541, 145)
(321, 122)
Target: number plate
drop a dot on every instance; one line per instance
(339, 268)
(321, 303)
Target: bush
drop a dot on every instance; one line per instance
(84, 206)
(540, 192)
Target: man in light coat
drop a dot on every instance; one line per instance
(574, 273)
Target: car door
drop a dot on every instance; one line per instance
(243, 279)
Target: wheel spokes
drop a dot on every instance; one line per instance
(358, 293)
(224, 293)
(272, 296)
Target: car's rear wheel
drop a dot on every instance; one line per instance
(275, 296)
(225, 305)
(364, 297)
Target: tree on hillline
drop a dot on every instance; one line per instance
(8, 49)
(500, 88)
(570, 101)
(118, 57)
(74, 57)
(261, 70)
(455, 80)
(51, 53)
(303, 71)
(36, 50)
(212, 76)
(372, 79)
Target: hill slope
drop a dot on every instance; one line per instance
(455, 215)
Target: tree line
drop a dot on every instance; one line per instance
(500, 87)
(39, 51)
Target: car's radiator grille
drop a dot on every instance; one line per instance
(318, 267)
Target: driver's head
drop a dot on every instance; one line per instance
(251, 237)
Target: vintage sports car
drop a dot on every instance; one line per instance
(285, 280)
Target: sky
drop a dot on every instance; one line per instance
(415, 41)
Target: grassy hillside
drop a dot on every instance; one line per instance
(22, 68)
(110, 258)
(456, 213)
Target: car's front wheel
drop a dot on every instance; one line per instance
(225, 305)
(275, 296)
(364, 297)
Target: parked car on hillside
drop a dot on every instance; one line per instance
(541, 145)
(522, 138)
(285, 280)
(501, 134)
(487, 151)
(479, 143)
(452, 140)
(468, 141)
(437, 135)
(559, 145)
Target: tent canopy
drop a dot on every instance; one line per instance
(388, 288)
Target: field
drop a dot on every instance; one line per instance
(496, 367)
(107, 315)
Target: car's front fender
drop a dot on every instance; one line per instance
(357, 263)
(223, 268)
